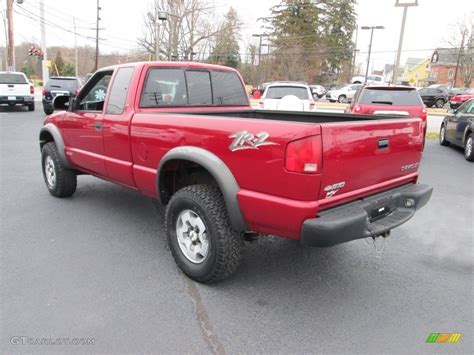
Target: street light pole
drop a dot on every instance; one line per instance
(260, 35)
(371, 28)
(405, 5)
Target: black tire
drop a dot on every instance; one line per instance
(341, 98)
(48, 111)
(439, 103)
(225, 249)
(468, 147)
(65, 181)
(442, 136)
(31, 107)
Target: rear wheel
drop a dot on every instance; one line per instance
(341, 98)
(201, 239)
(468, 151)
(31, 107)
(439, 103)
(60, 181)
(442, 136)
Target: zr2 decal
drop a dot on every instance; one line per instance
(331, 190)
(245, 140)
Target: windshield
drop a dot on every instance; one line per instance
(11, 78)
(397, 97)
(62, 84)
(277, 92)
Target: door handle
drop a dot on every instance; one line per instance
(98, 126)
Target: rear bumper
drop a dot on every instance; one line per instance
(17, 99)
(455, 104)
(369, 217)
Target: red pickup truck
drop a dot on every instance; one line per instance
(185, 134)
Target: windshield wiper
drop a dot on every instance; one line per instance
(382, 102)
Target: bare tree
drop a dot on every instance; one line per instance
(461, 39)
(185, 34)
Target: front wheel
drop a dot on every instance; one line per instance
(341, 98)
(468, 151)
(442, 136)
(202, 242)
(48, 111)
(60, 181)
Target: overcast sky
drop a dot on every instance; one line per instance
(427, 26)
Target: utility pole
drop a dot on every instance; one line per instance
(75, 46)
(371, 28)
(459, 59)
(354, 54)
(44, 65)
(11, 42)
(405, 5)
(96, 65)
(260, 35)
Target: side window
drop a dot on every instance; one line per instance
(199, 87)
(119, 90)
(227, 89)
(164, 87)
(92, 97)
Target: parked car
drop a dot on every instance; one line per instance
(457, 91)
(344, 94)
(223, 170)
(434, 97)
(59, 86)
(16, 89)
(457, 128)
(317, 90)
(371, 79)
(287, 96)
(459, 99)
(389, 100)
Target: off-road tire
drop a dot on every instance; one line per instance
(442, 136)
(469, 155)
(65, 180)
(225, 244)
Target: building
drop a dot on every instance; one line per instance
(417, 72)
(443, 68)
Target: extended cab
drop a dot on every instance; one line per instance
(185, 134)
(15, 89)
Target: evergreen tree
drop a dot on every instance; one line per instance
(226, 50)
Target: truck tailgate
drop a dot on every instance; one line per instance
(14, 89)
(361, 154)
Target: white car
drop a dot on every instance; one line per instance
(318, 90)
(15, 89)
(344, 94)
(371, 79)
(287, 96)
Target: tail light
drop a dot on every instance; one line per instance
(304, 155)
(44, 92)
(32, 89)
(311, 104)
(260, 104)
(423, 115)
(357, 109)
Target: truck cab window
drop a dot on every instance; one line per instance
(199, 88)
(92, 96)
(164, 88)
(119, 91)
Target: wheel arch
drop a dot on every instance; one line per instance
(50, 133)
(216, 168)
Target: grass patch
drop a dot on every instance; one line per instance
(432, 136)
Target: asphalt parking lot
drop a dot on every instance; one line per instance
(97, 266)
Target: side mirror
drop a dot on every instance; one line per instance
(61, 103)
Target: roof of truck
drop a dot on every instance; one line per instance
(167, 64)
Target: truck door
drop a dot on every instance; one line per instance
(82, 128)
(116, 128)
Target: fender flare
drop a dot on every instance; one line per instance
(58, 140)
(221, 173)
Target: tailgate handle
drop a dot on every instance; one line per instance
(382, 143)
(11, 85)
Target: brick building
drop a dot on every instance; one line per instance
(443, 68)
